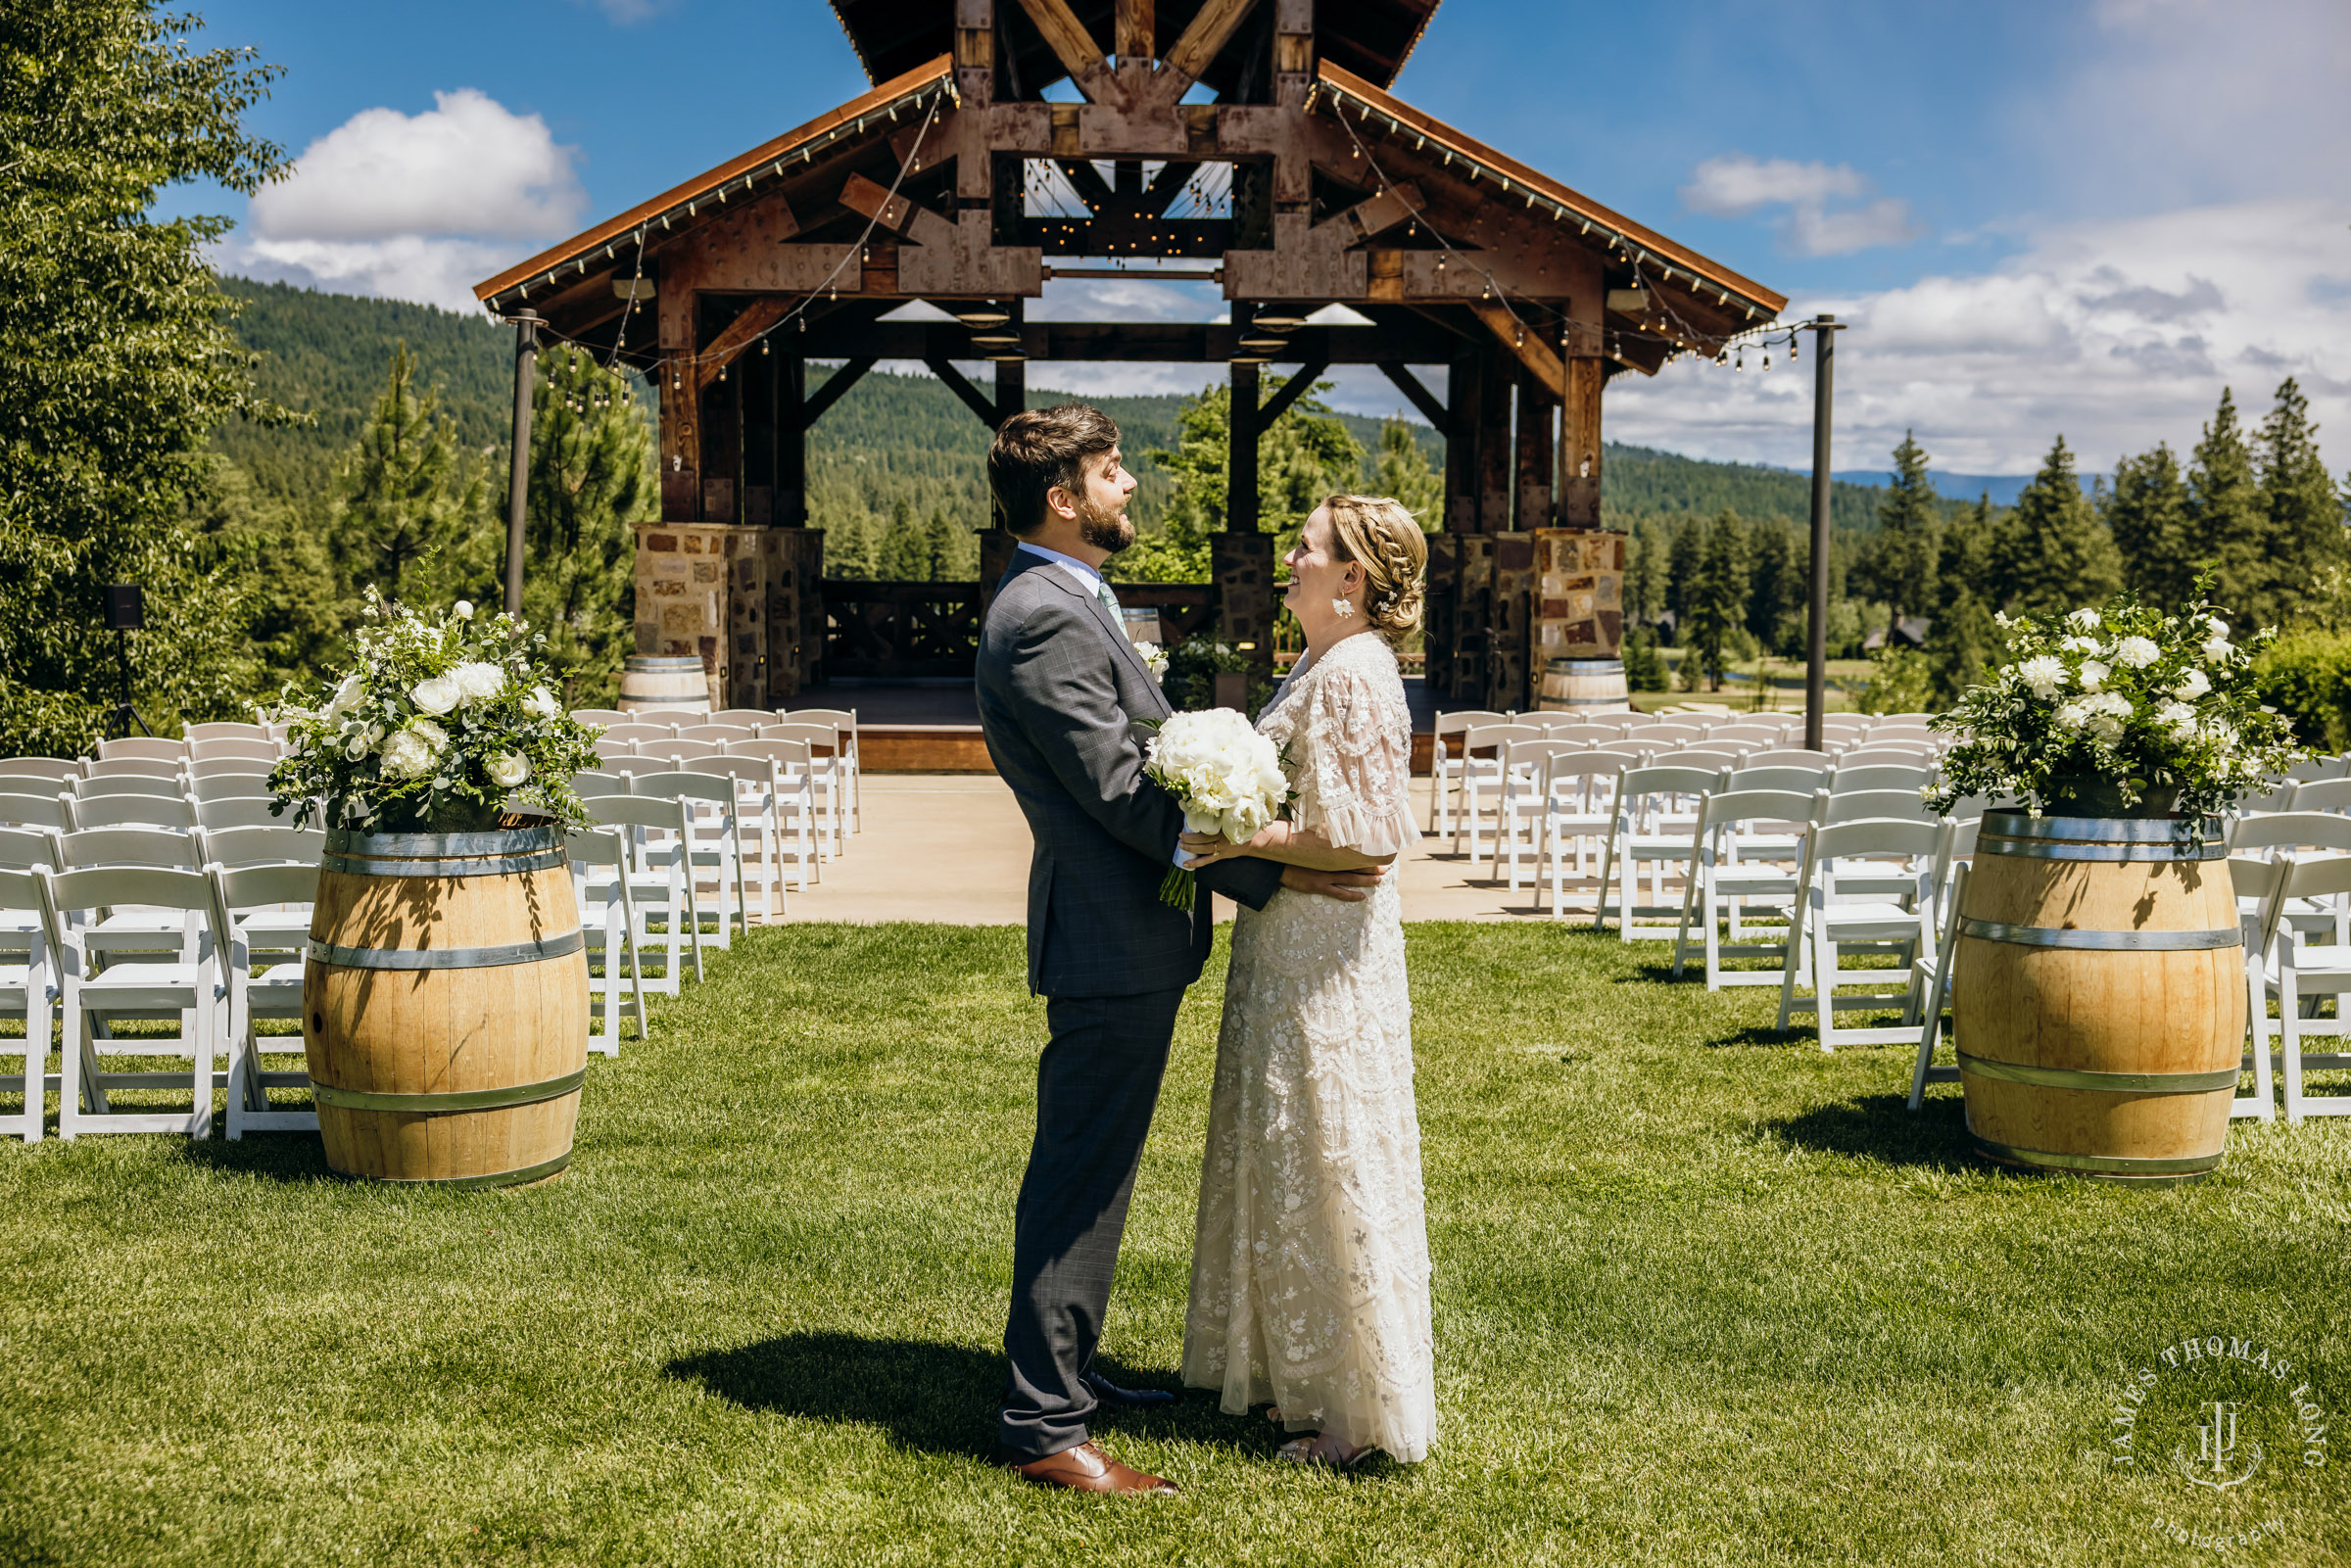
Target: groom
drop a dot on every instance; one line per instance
(1060, 687)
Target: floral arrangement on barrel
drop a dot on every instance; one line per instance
(2117, 712)
(447, 726)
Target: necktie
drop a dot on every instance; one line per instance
(1109, 602)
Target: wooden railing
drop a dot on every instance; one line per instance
(932, 629)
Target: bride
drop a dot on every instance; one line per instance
(1310, 1271)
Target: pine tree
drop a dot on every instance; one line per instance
(942, 560)
(1644, 580)
(1901, 560)
(2055, 553)
(2225, 516)
(412, 519)
(1681, 558)
(1963, 645)
(1306, 455)
(592, 476)
(2147, 513)
(1774, 588)
(1718, 595)
(1643, 671)
(2303, 511)
(905, 555)
(1399, 471)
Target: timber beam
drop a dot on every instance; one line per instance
(1134, 342)
(1298, 386)
(1431, 407)
(973, 398)
(835, 386)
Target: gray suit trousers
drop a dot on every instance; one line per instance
(1097, 1086)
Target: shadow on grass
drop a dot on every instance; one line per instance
(271, 1156)
(938, 1397)
(1883, 1128)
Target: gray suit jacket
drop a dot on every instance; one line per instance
(1060, 687)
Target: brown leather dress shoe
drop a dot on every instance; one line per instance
(1087, 1468)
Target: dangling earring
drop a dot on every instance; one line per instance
(1342, 608)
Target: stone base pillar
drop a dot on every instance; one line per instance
(1512, 607)
(1580, 611)
(792, 561)
(1242, 568)
(701, 592)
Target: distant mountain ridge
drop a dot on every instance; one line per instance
(891, 437)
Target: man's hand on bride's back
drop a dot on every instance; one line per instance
(1348, 886)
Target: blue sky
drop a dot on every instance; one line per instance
(2077, 215)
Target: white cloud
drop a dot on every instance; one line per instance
(2115, 333)
(1736, 185)
(420, 206)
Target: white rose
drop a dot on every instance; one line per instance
(436, 696)
(479, 682)
(2071, 716)
(357, 746)
(2079, 645)
(2085, 619)
(465, 609)
(346, 695)
(407, 756)
(2111, 702)
(508, 769)
(2094, 674)
(542, 703)
(2044, 674)
(2179, 718)
(2137, 651)
(1154, 660)
(2218, 648)
(432, 733)
(2215, 627)
(2193, 685)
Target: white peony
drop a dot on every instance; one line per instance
(2113, 703)
(407, 756)
(542, 703)
(508, 769)
(2071, 716)
(479, 682)
(465, 609)
(430, 732)
(2179, 718)
(2193, 685)
(2095, 674)
(2137, 651)
(2044, 674)
(438, 695)
(1227, 776)
(2085, 619)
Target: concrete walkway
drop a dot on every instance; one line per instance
(954, 848)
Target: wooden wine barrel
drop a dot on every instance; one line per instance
(2098, 996)
(649, 681)
(1584, 685)
(445, 1006)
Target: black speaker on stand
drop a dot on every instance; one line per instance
(125, 613)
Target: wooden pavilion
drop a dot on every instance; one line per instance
(1255, 139)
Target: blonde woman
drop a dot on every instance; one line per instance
(1310, 1274)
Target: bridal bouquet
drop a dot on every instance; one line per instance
(444, 722)
(1227, 776)
(2120, 711)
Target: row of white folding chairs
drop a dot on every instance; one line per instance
(250, 741)
(748, 724)
(1516, 786)
(59, 773)
(125, 925)
(67, 812)
(829, 780)
(758, 822)
(2282, 903)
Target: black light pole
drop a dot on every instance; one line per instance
(518, 480)
(1816, 650)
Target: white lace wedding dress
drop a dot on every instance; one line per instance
(1310, 1273)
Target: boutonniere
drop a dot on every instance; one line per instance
(1155, 659)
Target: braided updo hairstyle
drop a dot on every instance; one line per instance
(1380, 534)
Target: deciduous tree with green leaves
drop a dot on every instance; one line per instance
(1306, 455)
(120, 362)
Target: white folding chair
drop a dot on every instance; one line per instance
(591, 783)
(2266, 836)
(47, 813)
(1750, 850)
(601, 716)
(1525, 790)
(845, 748)
(675, 753)
(658, 834)
(826, 767)
(1787, 756)
(73, 904)
(28, 994)
(1849, 777)
(1579, 799)
(740, 718)
(224, 730)
(759, 821)
(242, 810)
(1582, 732)
(1446, 767)
(620, 755)
(1837, 920)
(2302, 973)
(2321, 794)
(250, 903)
(140, 746)
(792, 804)
(172, 786)
(1483, 749)
(714, 837)
(134, 767)
(636, 729)
(135, 811)
(1934, 983)
(231, 772)
(235, 749)
(50, 772)
(609, 920)
(717, 735)
(1654, 826)
(2260, 884)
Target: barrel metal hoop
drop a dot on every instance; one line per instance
(1993, 931)
(513, 1094)
(495, 842)
(2094, 829)
(497, 1179)
(2108, 1082)
(2028, 849)
(448, 958)
(2098, 1165)
(494, 866)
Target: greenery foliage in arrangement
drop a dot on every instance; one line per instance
(1189, 678)
(2125, 704)
(446, 724)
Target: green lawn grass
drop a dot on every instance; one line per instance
(1702, 1296)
